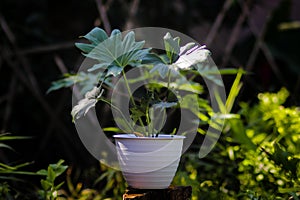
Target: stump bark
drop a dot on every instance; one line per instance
(171, 193)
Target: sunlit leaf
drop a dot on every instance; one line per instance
(85, 104)
(163, 105)
(172, 47)
(112, 51)
(194, 56)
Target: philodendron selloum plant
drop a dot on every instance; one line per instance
(115, 55)
(161, 77)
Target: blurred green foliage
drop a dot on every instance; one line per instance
(11, 174)
(49, 188)
(267, 166)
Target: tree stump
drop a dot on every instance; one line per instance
(171, 193)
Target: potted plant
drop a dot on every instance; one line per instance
(144, 86)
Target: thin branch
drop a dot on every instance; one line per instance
(103, 15)
(36, 94)
(132, 13)
(214, 30)
(59, 125)
(261, 45)
(44, 49)
(63, 69)
(234, 35)
(75, 92)
(259, 39)
(7, 30)
(272, 63)
(9, 34)
(30, 83)
(60, 64)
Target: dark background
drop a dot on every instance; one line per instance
(37, 46)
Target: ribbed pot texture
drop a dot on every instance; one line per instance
(147, 162)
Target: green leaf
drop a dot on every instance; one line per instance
(229, 71)
(51, 175)
(113, 129)
(196, 57)
(71, 79)
(116, 32)
(22, 165)
(124, 125)
(114, 70)
(59, 170)
(12, 168)
(234, 91)
(57, 187)
(162, 69)
(98, 66)
(153, 59)
(186, 48)
(158, 118)
(172, 47)
(129, 39)
(208, 72)
(113, 52)
(7, 136)
(281, 158)
(6, 146)
(239, 133)
(191, 86)
(135, 58)
(60, 162)
(42, 172)
(96, 36)
(287, 190)
(85, 80)
(136, 114)
(7, 167)
(46, 184)
(86, 48)
(189, 102)
(102, 177)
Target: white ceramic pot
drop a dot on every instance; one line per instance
(149, 162)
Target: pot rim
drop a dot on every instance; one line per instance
(160, 137)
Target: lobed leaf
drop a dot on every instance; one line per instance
(96, 36)
(172, 47)
(112, 52)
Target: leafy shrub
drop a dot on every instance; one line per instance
(49, 188)
(272, 168)
(258, 157)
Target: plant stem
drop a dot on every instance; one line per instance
(150, 128)
(128, 88)
(117, 109)
(101, 80)
(132, 100)
(169, 80)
